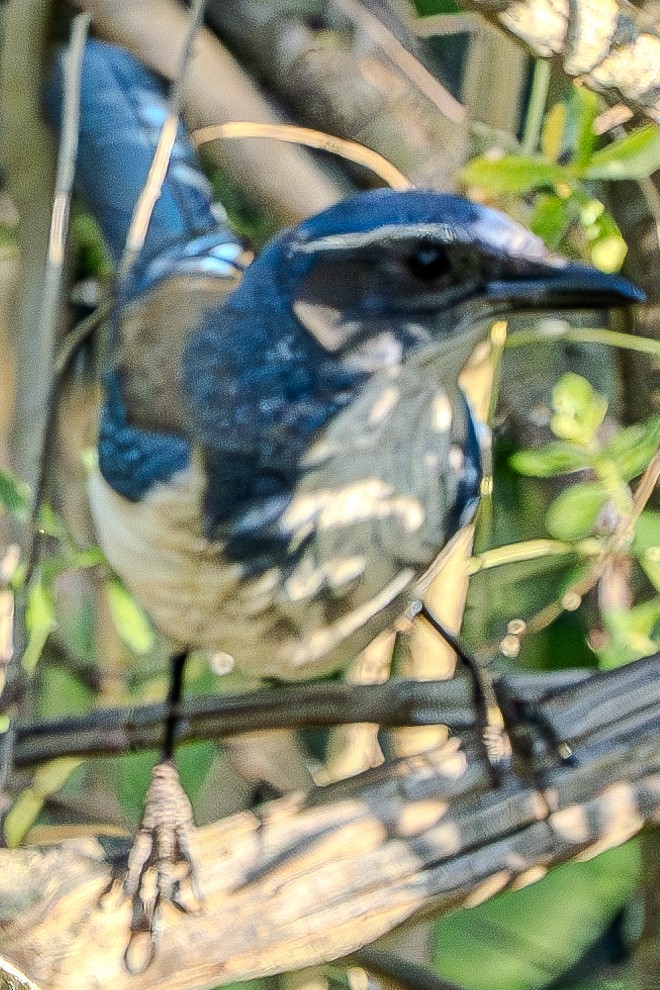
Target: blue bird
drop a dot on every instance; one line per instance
(284, 448)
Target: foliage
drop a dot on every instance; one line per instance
(559, 178)
(600, 505)
(14, 495)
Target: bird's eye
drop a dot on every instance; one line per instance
(429, 262)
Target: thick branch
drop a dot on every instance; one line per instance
(351, 76)
(609, 45)
(313, 877)
(393, 704)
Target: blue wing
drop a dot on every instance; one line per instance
(123, 107)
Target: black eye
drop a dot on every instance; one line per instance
(429, 262)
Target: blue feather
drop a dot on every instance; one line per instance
(123, 107)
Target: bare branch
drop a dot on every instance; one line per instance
(353, 78)
(392, 704)
(314, 877)
(52, 293)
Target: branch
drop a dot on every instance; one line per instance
(393, 704)
(314, 877)
(612, 47)
(351, 76)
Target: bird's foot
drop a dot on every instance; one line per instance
(494, 735)
(160, 865)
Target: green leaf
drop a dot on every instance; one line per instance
(549, 461)
(560, 916)
(52, 567)
(40, 621)
(551, 218)
(90, 557)
(14, 494)
(48, 780)
(578, 410)
(632, 448)
(635, 156)
(650, 563)
(511, 174)
(92, 256)
(573, 514)
(553, 131)
(633, 633)
(40, 609)
(586, 103)
(640, 618)
(50, 523)
(130, 621)
(647, 531)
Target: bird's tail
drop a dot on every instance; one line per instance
(123, 107)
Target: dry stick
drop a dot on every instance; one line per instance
(314, 877)
(617, 55)
(151, 190)
(359, 89)
(410, 66)
(29, 163)
(288, 185)
(76, 337)
(66, 163)
(311, 138)
(50, 303)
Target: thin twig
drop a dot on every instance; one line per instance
(617, 541)
(292, 134)
(76, 337)
(50, 305)
(405, 61)
(536, 108)
(624, 531)
(150, 193)
(395, 703)
(405, 974)
(584, 335)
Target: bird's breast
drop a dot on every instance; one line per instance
(379, 494)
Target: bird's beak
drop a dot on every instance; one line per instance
(567, 286)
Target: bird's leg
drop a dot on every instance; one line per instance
(491, 720)
(160, 865)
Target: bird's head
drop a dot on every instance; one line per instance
(347, 294)
(386, 271)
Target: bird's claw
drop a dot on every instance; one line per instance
(161, 867)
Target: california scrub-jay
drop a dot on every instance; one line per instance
(284, 449)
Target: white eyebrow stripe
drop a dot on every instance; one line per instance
(390, 233)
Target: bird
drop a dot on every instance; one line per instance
(284, 447)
